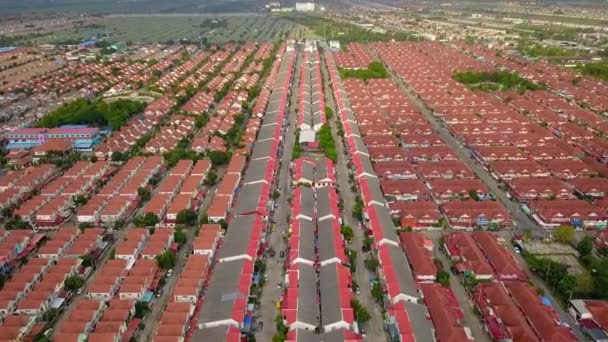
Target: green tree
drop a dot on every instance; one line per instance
(141, 310)
(146, 220)
(80, 200)
(85, 225)
(187, 217)
(118, 156)
(329, 113)
(372, 264)
(73, 283)
(179, 236)
(361, 314)
(473, 195)
(219, 158)
(200, 121)
(358, 209)
(348, 233)
(585, 246)
(210, 179)
(17, 223)
(144, 194)
(87, 260)
(368, 241)
(564, 234)
(166, 260)
(377, 292)
(443, 278)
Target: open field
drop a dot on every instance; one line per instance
(121, 6)
(164, 28)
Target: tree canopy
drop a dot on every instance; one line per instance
(166, 260)
(96, 113)
(564, 234)
(493, 81)
(186, 216)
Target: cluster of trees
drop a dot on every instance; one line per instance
(544, 51)
(95, 113)
(358, 209)
(282, 330)
(17, 223)
(374, 70)
(493, 81)
(554, 273)
(146, 220)
(327, 143)
(361, 313)
(297, 148)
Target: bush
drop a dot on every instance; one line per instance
(372, 264)
(348, 233)
(443, 278)
(73, 283)
(585, 246)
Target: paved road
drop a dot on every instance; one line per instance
(522, 220)
(375, 326)
(274, 266)
(471, 319)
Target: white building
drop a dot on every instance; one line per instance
(305, 6)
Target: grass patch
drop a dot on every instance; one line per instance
(495, 81)
(327, 143)
(599, 70)
(373, 70)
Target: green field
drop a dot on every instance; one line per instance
(166, 28)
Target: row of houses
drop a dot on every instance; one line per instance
(17, 186)
(407, 309)
(38, 286)
(311, 102)
(56, 199)
(182, 189)
(227, 109)
(509, 144)
(423, 182)
(223, 313)
(316, 269)
(118, 198)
